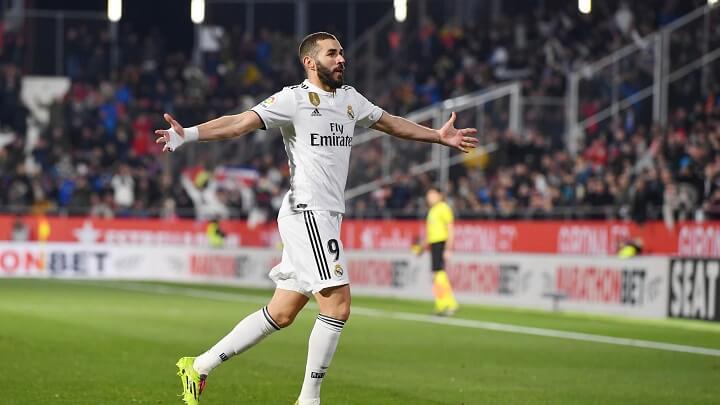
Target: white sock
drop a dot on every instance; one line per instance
(246, 334)
(321, 348)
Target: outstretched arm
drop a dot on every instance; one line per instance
(448, 135)
(449, 242)
(226, 127)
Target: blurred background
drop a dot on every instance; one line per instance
(610, 114)
(599, 121)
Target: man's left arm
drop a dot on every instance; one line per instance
(448, 135)
(449, 243)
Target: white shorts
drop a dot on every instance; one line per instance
(313, 258)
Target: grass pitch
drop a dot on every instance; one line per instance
(72, 342)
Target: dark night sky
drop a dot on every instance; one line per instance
(171, 18)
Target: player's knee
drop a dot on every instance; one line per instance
(284, 319)
(340, 312)
(335, 302)
(344, 314)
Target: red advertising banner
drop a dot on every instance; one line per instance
(562, 237)
(139, 231)
(565, 237)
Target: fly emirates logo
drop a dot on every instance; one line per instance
(336, 137)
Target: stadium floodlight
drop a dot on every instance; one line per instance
(400, 10)
(197, 11)
(585, 6)
(114, 10)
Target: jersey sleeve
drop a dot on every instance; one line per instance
(448, 216)
(368, 113)
(277, 110)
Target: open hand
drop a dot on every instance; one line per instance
(460, 139)
(172, 137)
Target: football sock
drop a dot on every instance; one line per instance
(444, 297)
(321, 348)
(246, 334)
(437, 293)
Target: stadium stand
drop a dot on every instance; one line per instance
(97, 155)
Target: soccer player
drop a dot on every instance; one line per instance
(440, 235)
(317, 119)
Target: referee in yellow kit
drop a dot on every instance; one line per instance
(439, 242)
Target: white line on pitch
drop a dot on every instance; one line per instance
(466, 323)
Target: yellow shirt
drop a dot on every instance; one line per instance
(214, 236)
(438, 219)
(628, 251)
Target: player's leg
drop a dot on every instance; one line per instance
(436, 263)
(334, 303)
(279, 313)
(323, 266)
(445, 303)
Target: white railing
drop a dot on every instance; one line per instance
(652, 56)
(470, 107)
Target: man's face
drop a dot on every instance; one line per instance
(432, 197)
(330, 63)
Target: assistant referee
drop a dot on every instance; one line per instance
(440, 241)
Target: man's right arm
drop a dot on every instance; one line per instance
(229, 126)
(276, 111)
(226, 127)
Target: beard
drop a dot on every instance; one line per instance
(326, 76)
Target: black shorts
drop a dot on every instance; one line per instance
(436, 252)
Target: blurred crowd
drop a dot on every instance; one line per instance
(670, 173)
(96, 153)
(538, 48)
(627, 167)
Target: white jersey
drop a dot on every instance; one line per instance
(317, 127)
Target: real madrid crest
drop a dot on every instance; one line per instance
(338, 270)
(269, 101)
(314, 98)
(350, 112)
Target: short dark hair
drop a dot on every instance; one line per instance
(309, 44)
(434, 188)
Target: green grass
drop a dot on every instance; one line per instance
(65, 342)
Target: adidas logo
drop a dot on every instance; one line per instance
(316, 113)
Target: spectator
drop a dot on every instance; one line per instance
(203, 192)
(20, 231)
(123, 186)
(101, 207)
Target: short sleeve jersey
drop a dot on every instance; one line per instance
(440, 216)
(317, 128)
